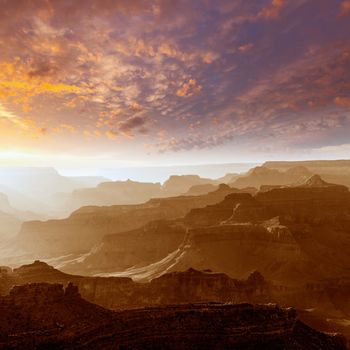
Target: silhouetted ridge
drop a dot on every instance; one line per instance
(317, 181)
(48, 316)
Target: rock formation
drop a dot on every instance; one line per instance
(33, 188)
(198, 190)
(11, 219)
(111, 193)
(179, 184)
(86, 227)
(260, 176)
(290, 234)
(41, 316)
(122, 292)
(333, 171)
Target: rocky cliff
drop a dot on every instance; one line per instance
(48, 316)
(111, 193)
(262, 175)
(86, 227)
(291, 234)
(335, 171)
(330, 299)
(122, 292)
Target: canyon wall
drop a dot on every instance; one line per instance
(49, 316)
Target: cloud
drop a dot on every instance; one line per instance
(20, 86)
(68, 127)
(111, 134)
(245, 47)
(342, 101)
(344, 8)
(128, 126)
(189, 88)
(4, 113)
(273, 10)
(12, 118)
(196, 76)
(341, 151)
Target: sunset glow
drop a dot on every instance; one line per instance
(175, 81)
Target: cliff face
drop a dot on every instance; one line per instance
(49, 316)
(85, 227)
(130, 192)
(291, 234)
(10, 226)
(111, 193)
(43, 315)
(135, 248)
(335, 171)
(262, 175)
(121, 292)
(198, 190)
(11, 219)
(181, 184)
(330, 297)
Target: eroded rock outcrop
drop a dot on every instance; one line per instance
(291, 234)
(179, 184)
(121, 292)
(261, 175)
(86, 227)
(49, 316)
(118, 192)
(333, 171)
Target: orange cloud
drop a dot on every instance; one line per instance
(345, 8)
(4, 113)
(38, 87)
(68, 127)
(209, 57)
(19, 85)
(111, 134)
(273, 10)
(246, 47)
(139, 48)
(342, 101)
(189, 89)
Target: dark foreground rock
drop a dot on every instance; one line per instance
(44, 316)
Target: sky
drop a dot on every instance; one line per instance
(108, 83)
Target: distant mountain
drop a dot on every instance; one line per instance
(333, 171)
(9, 227)
(85, 227)
(176, 184)
(312, 164)
(110, 193)
(11, 219)
(290, 234)
(162, 173)
(132, 192)
(264, 176)
(33, 189)
(197, 190)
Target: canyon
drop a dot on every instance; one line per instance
(85, 227)
(38, 316)
(316, 301)
(290, 234)
(284, 241)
